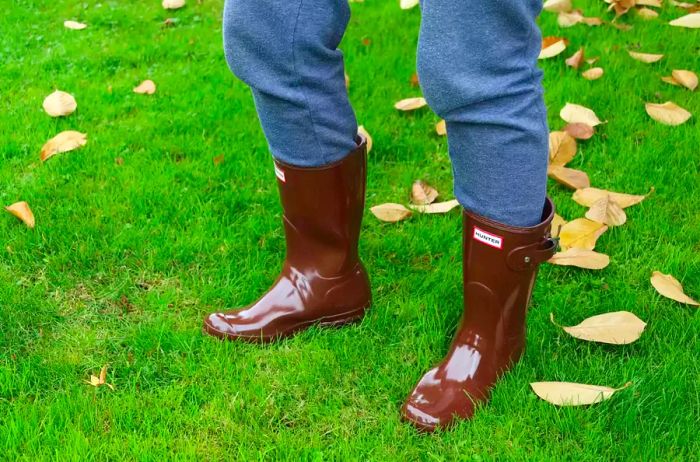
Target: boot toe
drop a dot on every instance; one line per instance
(420, 419)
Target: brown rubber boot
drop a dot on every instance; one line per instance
(499, 269)
(323, 280)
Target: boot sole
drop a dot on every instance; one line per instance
(338, 320)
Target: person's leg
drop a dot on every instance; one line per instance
(286, 51)
(477, 66)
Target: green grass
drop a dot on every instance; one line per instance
(127, 258)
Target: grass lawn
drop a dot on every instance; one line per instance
(139, 235)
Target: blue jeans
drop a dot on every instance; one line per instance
(477, 65)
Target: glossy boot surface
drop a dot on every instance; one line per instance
(500, 266)
(322, 280)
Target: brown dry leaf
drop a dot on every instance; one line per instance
(422, 193)
(647, 13)
(592, 21)
(668, 113)
(691, 21)
(580, 131)
(574, 113)
(562, 148)
(557, 6)
(589, 196)
(557, 223)
(173, 4)
(573, 394)
(441, 128)
(605, 210)
(688, 79)
(593, 73)
(147, 87)
(59, 103)
(74, 25)
(22, 211)
(669, 287)
(581, 258)
(671, 80)
(63, 142)
(363, 131)
(654, 3)
(408, 4)
(580, 233)
(576, 59)
(437, 207)
(96, 381)
(410, 104)
(551, 47)
(390, 212)
(616, 328)
(569, 177)
(569, 19)
(647, 58)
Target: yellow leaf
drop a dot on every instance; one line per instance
(173, 4)
(557, 223)
(63, 142)
(668, 113)
(647, 58)
(647, 13)
(438, 207)
(574, 113)
(593, 73)
(573, 394)
(688, 79)
(580, 131)
(589, 196)
(671, 80)
(390, 212)
(363, 131)
(569, 177)
(580, 233)
(552, 50)
(441, 128)
(654, 3)
(562, 148)
(22, 211)
(691, 21)
(557, 6)
(422, 193)
(605, 210)
(147, 87)
(669, 287)
(617, 328)
(410, 104)
(59, 103)
(74, 25)
(581, 258)
(408, 4)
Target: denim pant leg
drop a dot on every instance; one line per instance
(477, 63)
(287, 52)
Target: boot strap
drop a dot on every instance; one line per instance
(528, 257)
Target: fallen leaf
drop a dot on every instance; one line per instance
(96, 381)
(647, 58)
(390, 212)
(573, 394)
(408, 4)
(576, 59)
(574, 113)
(173, 4)
(669, 287)
(589, 196)
(147, 87)
(74, 25)
(668, 113)
(422, 193)
(616, 328)
(654, 3)
(580, 233)
(562, 148)
(593, 73)
(410, 104)
(691, 21)
(569, 177)
(557, 6)
(363, 131)
(688, 79)
(647, 13)
(551, 48)
(580, 131)
(437, 207)
(441, 128)
(557, 223)
(63, 142)
(22, 211)
(59, 103)
(581, 258)
(605, 210)
(671, 80)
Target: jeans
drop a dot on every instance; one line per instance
(477, 66)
